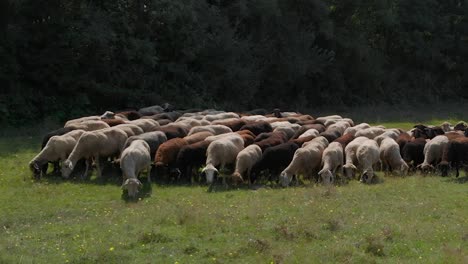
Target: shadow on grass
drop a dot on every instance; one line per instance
(459, 180)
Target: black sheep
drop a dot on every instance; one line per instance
(413, 151)
(191, 156)
(275, 159)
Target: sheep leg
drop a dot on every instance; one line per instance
(224, 176)
(148, 173)
(85, 174)
(98, 167)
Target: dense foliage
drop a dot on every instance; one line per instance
(65, 58)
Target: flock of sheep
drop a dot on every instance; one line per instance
(275, 145)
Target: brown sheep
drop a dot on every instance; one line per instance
(345, 139)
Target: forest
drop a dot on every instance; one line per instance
(66, 58)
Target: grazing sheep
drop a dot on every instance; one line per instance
(197, 137)
(258, 127)
(332, 159)
(303, 140)
(433, 152)
(310, 132)
(350, 155)
(46, 138)
(133, 160)
(367, 155)
(413, 152)
(331, 134)
(306, 161)
(147, 125)
(130, 130)
(258, 111)
(402, 139)
(288, 131)
(253, 118)
(108, 115)
(345, 140)
(128, 115)
(460, 126)
(154, 140)
(320, 128)
(387, 134)
(166, 155)
(57, 148)
(174, 130)
(330, 117)
(352, 130)
(370, 132)
(220, 116)
(151, 110)
(214, 129)
(89, 125)
(103, 143)
(391, 158)
(275, 138)
(221, 152)
(340, 126)
(163, 122)
(245, 160)
(191, 156)
(82, 119)
(113, 122)
(456, 154)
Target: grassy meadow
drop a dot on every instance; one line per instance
(416, 219)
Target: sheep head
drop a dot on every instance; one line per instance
(327, 176)
(237, 177)
(367, 176)
(210, 172)
(132, 185)
(67, 168)
(35, 168)
(349, 170)
(404, 169)
(285, 179)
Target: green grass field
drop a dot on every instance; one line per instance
(416, 219)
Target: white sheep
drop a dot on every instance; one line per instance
(82, 119)
(446, 127)
(433, 152)
(310, 132)
(390, 156)
(89, 125)
(191, 122)
(387, 134)
(57, 148)
(332, 159)
(306, 161)
(350, 155)
(254, 118)
(330, 117)
(105, 143)
(370, 132)
(133, 160)
(341, 126)
(367, 155)
(352, 130)
(221, 152)
(215, 129)
(130, 129)
(219, 116)
(245, 160)
(147, 125)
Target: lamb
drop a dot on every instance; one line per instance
(196, 137)
(413, 152)
(370, 132)
(57, 148)
(352, 130)
(214, 129)
(245, 160)
(129, 129)
(89, 125)
(433, 152)
(332, 159)
(258, 127)
(306, 161)
(367, 155)
(275, 138)
(100, 143)
(153, 139)
(147, 125)
(221, 152)
(350, 155)
(133, 160)
(391, 158)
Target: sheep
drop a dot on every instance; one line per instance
(163, 122)
(331, 134)
(130, 130)
(370, 132)
(253, 118)
(154, 140)
(108, 115)
(306, 161)
(191, 156)
(367, 155)
(221, 152)
(320, 128)
(57, 148)
(191, 122)
(275, 138)
(258, 111)
(387, 134)
(128, 115)
(310, 132)
(303, 140)
(89, 125)
(258, 127)
(167, 152)
(288, 131)
(332, 159)
(402, 139)
(390, 156)
(345, 139)
(413, 152)
(456, 154)
(173, 116)
(341, 126)
(46, 138)
(460, 126)
(113, 122)
(107, 142)
(151, 110)
(433, 152)
(275, 159)
(215, 129)
(147, 125)
(233, 123)
(220, 116)
(133, 160)
(331, 117)
(350, 155)
(82, 119)
(245, 160)
(174, 130)
(196, 137)
(352, 130)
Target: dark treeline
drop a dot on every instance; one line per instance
(65, 58)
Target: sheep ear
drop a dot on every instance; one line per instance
(322, 171)
(125, 183)
(36, 166)
(353, 167)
